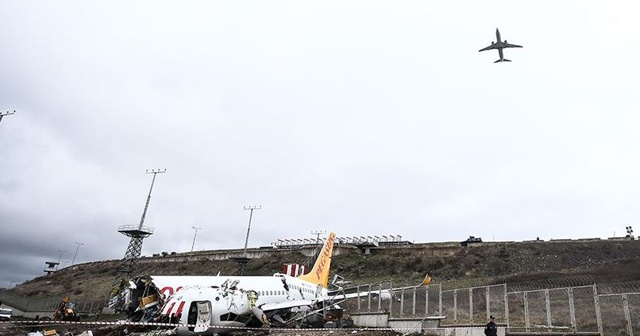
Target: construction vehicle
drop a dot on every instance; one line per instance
(67, 311)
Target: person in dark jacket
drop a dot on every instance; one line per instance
(491, 329)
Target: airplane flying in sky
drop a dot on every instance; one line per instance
(500, 45)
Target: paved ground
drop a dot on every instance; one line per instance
(114, 330)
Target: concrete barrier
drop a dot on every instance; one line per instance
(371, 320)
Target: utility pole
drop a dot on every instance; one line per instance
(74, 256)
(194, 237)
(308, 261)
(2, 114)
(60, 258)
(250, 208)
(318, 233)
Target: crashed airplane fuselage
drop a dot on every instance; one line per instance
(217, 304)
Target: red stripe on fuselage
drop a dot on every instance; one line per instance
(170, 308)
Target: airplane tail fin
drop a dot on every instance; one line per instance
(319, 274)
(502, 60)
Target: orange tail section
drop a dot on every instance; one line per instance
(319, 274)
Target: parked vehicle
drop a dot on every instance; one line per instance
(5, 314)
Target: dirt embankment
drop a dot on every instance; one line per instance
(605, 261)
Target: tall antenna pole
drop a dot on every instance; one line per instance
(154, 172)
(250, 208)
(2, 114)
(194, 237)
(74, 256)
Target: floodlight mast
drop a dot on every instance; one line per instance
(137, 235)
(194, 237)
(76, 254)
(154, 172)
(250, 208)
(2, 114)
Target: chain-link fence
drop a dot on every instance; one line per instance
(607, 309)
(49, 305)
(602, 309)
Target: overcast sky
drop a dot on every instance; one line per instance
(358, 117)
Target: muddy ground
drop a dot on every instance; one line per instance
(15, 329)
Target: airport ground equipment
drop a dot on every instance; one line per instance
(67, 311)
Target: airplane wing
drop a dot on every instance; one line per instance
(287, 304)
(509, 45)
(354, 292)
(493, 46)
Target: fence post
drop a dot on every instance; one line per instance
(572, 311)
(390, 299)
(596, 302)
(426, 301)
(627, 316)
(440, 299)
(527, 325)
(506, 305)
(547, 305)
(380, 296)
(413, 308)
(358, 296)
(369, 300)
(455, 306)
(471, 305)
(488, 302)
(402, 302)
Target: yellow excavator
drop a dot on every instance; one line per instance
(66, 311)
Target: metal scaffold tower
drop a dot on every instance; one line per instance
(137, 235)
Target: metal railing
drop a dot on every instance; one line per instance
(27, 304)
(602, 309)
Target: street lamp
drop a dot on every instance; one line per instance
(194, 236)
(11, 283)
(74, 256)
(61, 252)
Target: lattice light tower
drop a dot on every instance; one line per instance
(137, 234)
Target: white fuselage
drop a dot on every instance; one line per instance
(217, 304)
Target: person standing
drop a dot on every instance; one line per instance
(491, 329)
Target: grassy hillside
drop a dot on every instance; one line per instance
(603, 261)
